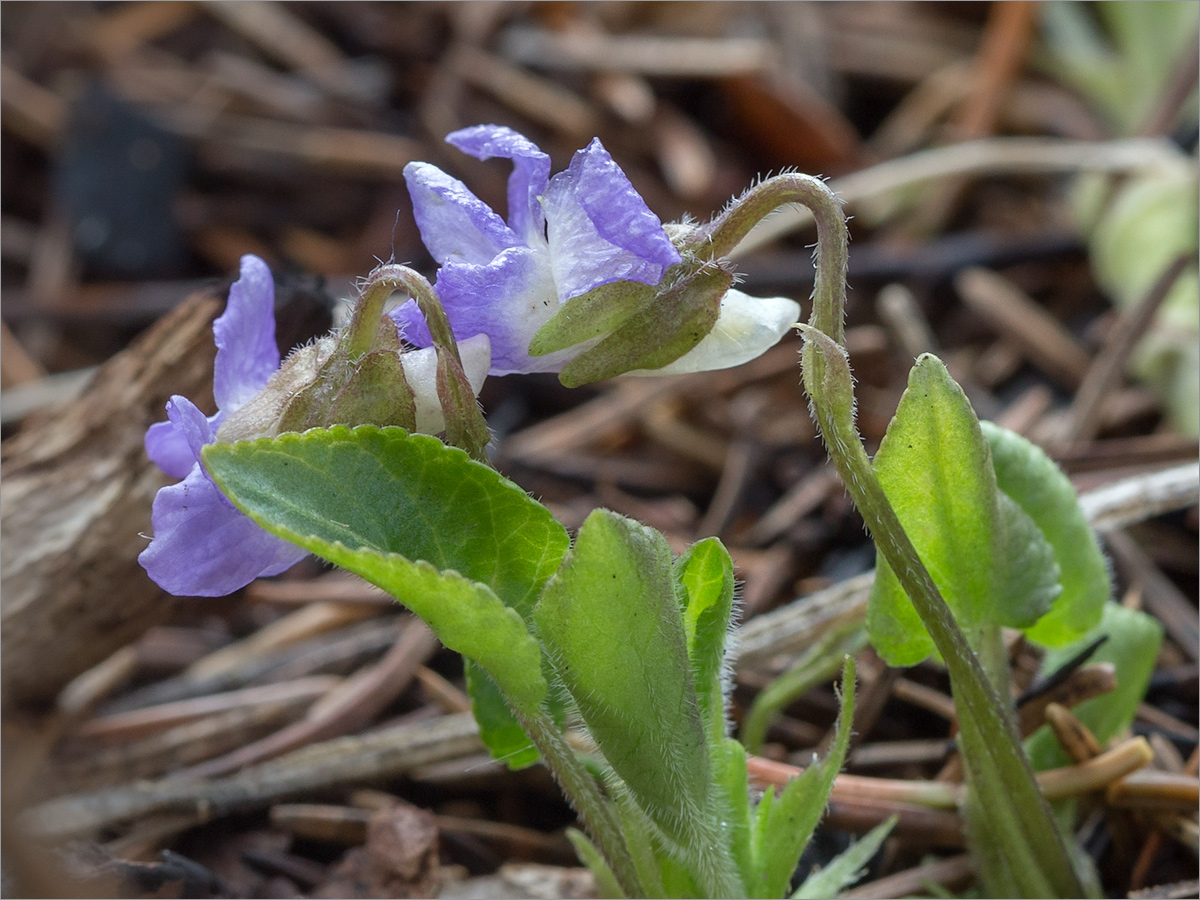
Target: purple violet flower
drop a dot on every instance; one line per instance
(565, 235)
(203, 545)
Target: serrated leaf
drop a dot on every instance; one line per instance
(1027, 578)
(791, 818)
(610, 621)
(936, 470)
(1039, 487)
(389, 500)
(1132, 647)
(705, 573)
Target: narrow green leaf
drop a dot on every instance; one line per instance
(610, 621)
(705, 572)
(1026, 474)
(1027, 580)
(1132, 647)
(847, 867)
(606, 881)
(503, 735)
(732, 780)
(794, 814)
(936, 471)
(591, 315)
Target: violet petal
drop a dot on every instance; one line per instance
(204, 546)
(530, 176)
(455, 225)
(247, 355)
(600, 228)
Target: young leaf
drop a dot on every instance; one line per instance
(790, 820)
(610, 621)
(1027, 475)
(847, 867)
(705, 572)
(935, 468)
(1132, 646)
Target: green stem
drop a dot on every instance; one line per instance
(998, 768)
(578, 784)
(465, 425)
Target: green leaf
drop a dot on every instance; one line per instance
(503, 735)
(610, 621)
(790, 819)
(1132, 647)
(1040, 488)
(408, 513)
(705, 572)
(1027, 572)
(591, 315)
(847, 867)
(606, 882)
(936, 471)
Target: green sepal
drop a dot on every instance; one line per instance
(785, 825)
(705, 576)
(609, 620)
(936, 470)
(1026, 474)
(657, 334)
(591, 315)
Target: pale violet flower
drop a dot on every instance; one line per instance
(203, 546)
(565, 235)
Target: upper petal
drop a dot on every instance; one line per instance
(746, 328)
(530, 176)
(247, 355)
(508, 299)
(203, 546)
(600, 229)
(455, 225)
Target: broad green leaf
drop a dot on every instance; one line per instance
(1039, 487)
(705, 572)
(936, 470)
(610, 621)
(790, 819)
(847, 867)
(1132, 647)
(1027, 574)
(381, 500)
(590, 315)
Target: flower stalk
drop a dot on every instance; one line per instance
(1032, 857)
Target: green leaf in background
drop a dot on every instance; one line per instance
(610, 621)
(847, 867)
(1132, 647)
(1027, 475)
(1027, 576)
(503, 735)
(377, 501)
(936, 470)
(784, 825)
(705, 572)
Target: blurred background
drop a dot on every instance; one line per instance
(1022, 183)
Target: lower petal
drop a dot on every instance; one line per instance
(203, 546)
(747, 328)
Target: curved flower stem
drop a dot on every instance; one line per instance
(465, 425)
(999, 772)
